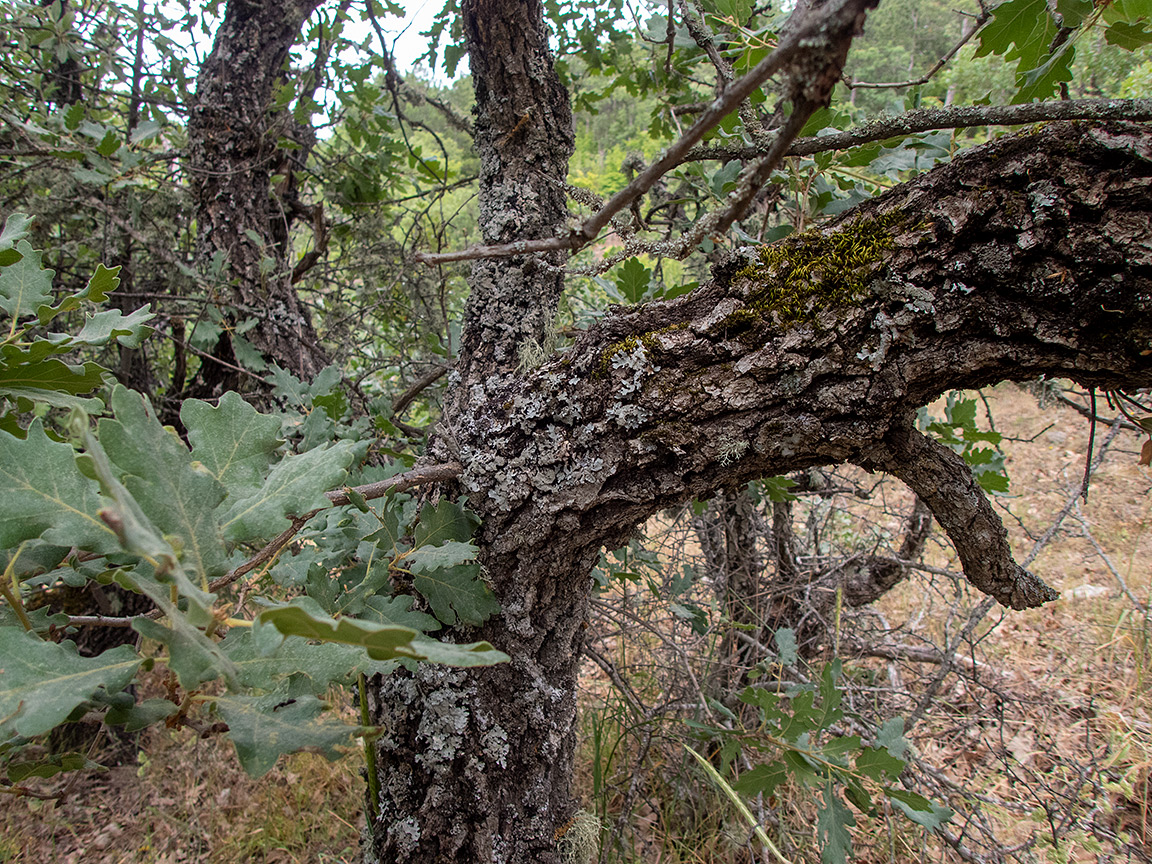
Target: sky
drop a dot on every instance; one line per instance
(405, 35)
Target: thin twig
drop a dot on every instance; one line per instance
(940, 64)
(399, 483)
(812, 30)
(418, 386)
(1120, 580)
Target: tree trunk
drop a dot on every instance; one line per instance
(479, 765)
(232, 151)
(1029, 256)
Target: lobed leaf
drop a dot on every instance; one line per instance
(43, 494)
(129, 330)
(457, 593)
(295, 486)
(234, 442)
(304, 617)
(179, 500)
(263, 728)
(25, 285)
(41, 683)
(832, 824)
(321, 665)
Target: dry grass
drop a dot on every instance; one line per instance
(189, 801)
(1039, 737)
(1045, 749)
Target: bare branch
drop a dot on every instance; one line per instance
(418, 386)
(946, 484)
(399, 483)
(963, 117)
(940, 64)
(819, 39)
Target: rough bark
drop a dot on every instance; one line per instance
(1029, 256)
(231, 156)
(524, 137)
(478, 767)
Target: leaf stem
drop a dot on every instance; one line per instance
(10, 588)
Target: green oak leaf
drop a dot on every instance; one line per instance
(103, 281)
(786, 646)
(446, 521)
(457, 592)
(49, 766)
(322, 665)
(398, 610)
(161, 565)
(161, 476)
(233, 441)
(41, 683)
(304, 617)
(135, 717)
(918, 808)
(426, 558)
(763, 779)
(191, 655)
(129, 331)
(25, 285)
(832, 824)
(263, 728)
(16, 228)
(1019, 29)
(50, 375)
(43, 494)
(55, 398)
(1129, 35)
(891, 737)
(389, 536)
(1040, 82)
(632, 280)
(295, 486)
(1073, 13)
(879, 764)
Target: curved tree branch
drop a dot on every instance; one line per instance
(1028, 256)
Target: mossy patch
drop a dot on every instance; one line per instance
(797, 278)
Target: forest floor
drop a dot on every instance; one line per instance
(1056, 741)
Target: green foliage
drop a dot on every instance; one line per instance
(43, 683)
(1028, 32)
(958, 430)
(794, 741)
(132, 504)
(265, 727)
(30, 366)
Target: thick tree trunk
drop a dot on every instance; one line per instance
(479, 765)
(1029, 256)
(231, 156)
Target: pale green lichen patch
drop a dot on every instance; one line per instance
(631, 343)
(794, 280)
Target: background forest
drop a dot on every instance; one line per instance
(794, 670)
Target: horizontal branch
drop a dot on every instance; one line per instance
(936, 119)
(1027, 256)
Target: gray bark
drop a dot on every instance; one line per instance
(1029, 256)
(232, 155)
